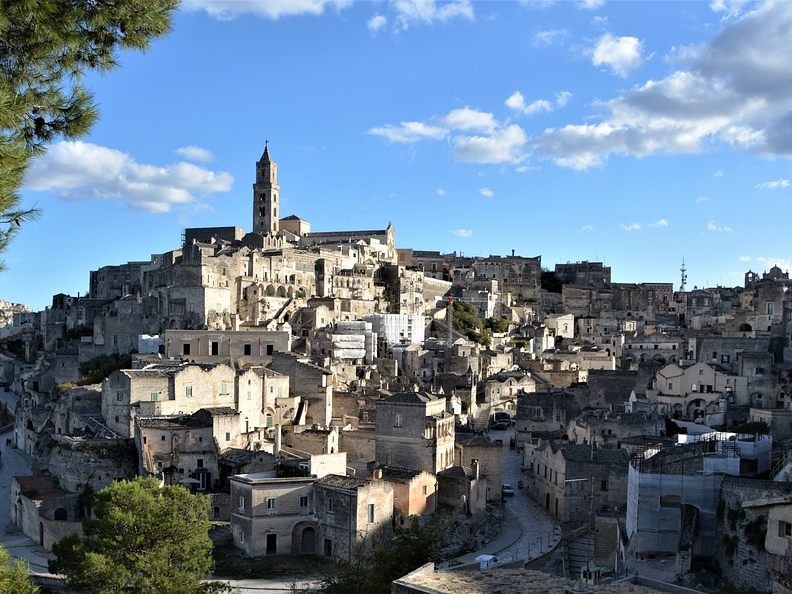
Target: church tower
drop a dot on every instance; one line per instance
(265, 195)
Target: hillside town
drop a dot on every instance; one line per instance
(324, 386)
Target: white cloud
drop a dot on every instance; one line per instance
(737, 91)
(702, 199)
(441, 192)
(713, 226)
(427, 12)
(462, 232)
(407, 132)
(81, 170)
(732, 8)
(549, 37)
(718, 173)
(486, 192)
(537, 4)
(773, 185)
(659, 223)
(621, 54)
(225, 10)
(590, 4)
(377, 22)
(744, 258)
(470, 119)
(516, 101)
(587, 228)
(504, 145)
(563, 98)
(195, 153)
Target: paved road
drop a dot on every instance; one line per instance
(528, 531)
(272, 586)
(539, 532)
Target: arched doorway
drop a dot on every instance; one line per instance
(61, 515)
(308, 545)
(304, 538)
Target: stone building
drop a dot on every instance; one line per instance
(164, 390)
(573, 481)
(414, 430)
(584, 272)
(248, 347)
(744, 526)
(414, 491)
(350, 510)
(697, 393)
(489, 456)
(274, 516)
(186, 449)
(42, 511)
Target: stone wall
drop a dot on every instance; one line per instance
(741, 532)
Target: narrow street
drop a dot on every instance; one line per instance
(528, 531)
(13, 463)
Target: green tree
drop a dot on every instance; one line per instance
(384, 557)
(142, 538)
(14, 576)
(45, 48)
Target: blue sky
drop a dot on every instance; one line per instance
(634, 133)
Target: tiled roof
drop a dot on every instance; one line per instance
(341, 482)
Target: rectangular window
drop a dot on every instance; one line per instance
(397, 420)
(241, 537)
(119, 397)
(269, 349)
(215, 348)
(770, 309)
(784, 529)
(249, 395)
(188, 391)
(303, 501)
(760, 371)
(248, 349)
(228, 436)
(199, 463)
(331, 506)
(154, 396)
(145, 439)
(371, 513)
(185, 349)
(603, 485)
(270, 503)
(425, 490)
(224, 388)
(670, 385)
(241, 502)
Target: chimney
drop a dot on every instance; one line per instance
(277, 447)
(512, 253)
(474, 467)
(377, 473)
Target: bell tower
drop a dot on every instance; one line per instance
(265, 195)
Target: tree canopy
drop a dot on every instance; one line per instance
(384, 557)
(14, 576)
(45, 48)
(141, 538)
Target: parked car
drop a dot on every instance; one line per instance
(487, 561)
(507, 490)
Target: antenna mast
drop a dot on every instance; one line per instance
(683, 270)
